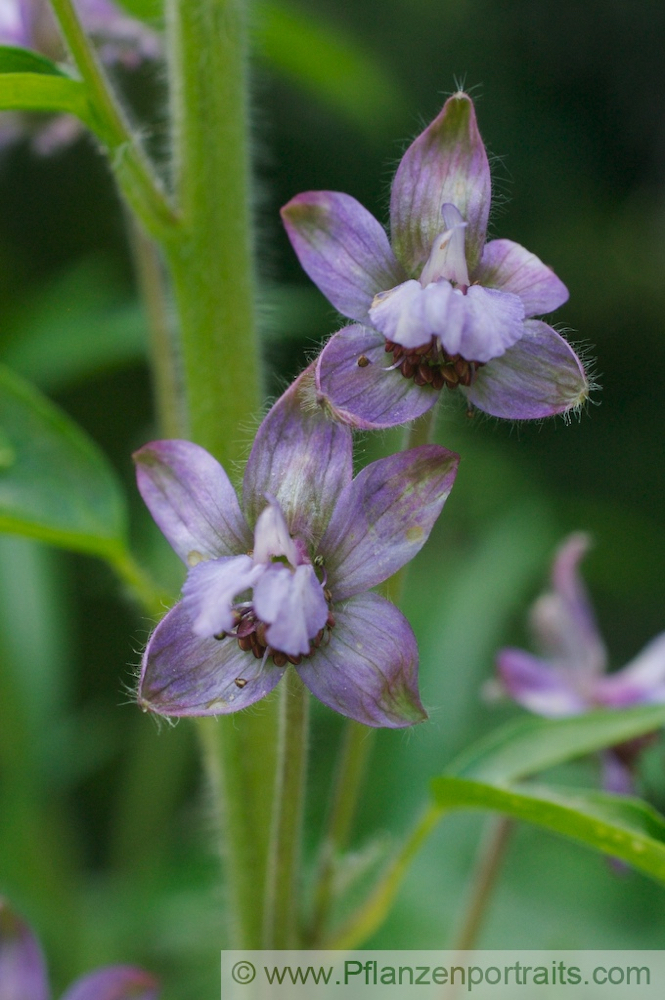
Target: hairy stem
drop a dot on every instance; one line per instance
(134, 174)
(281, 929)
(488, 865)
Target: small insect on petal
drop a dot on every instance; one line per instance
(363, 361)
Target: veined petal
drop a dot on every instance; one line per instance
(300, 457)
(563, 620)
(385, 516)
(117, 982)
(369, 669)
(534, 684)
(480, 325)
(510, 268)
(271, 536)
(183, 674)
(538, 377)
(293, 605)
(210, 589)
(447, 163)
(191, 499)
(342, 248)
(492, 322)
(447, 257)
(22, 968)
(642, 682)
(353, 383)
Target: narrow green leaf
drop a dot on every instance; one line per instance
(58, 487)
(41, 91)
(622, 827)
(531, 744)
(321, 58)
(16, 60)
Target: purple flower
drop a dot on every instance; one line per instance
(23, 970)
(30, 24)
(440, 306)
(288, 581)
(570, 676)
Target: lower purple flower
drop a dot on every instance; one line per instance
(570, 677)
(23, 970)
(286, 583)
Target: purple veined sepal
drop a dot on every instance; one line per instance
(23, 974)
(296, 592)
(537, 685)
(368, 671)
(22, 967)
(117, 982)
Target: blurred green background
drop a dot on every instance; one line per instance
(105, 837)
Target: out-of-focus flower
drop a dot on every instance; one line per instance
(440, 306)
(23, 970)
(570, 676)
(30, 24)
(288, 581)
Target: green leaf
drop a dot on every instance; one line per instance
(324, 60)
(41, 91)
(622, 827)
(530, 744)
(57, 486)
(17, 60)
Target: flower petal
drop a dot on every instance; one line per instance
(642, 682)
(366, 395)
(534, 684)
(447, 163)
(183, 674)
(271, 536)
(385, 516)
(369, 669)
(211, 588)
(22, 968)
(117, 982)
(510, 268)
(342, 248)
(563, 620)
(300, 457)
(191, 499)
(479, 325)
(539, 376)
(447, 257)
(293, 605)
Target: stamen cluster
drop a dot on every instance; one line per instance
(430, 364)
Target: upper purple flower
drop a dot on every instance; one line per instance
(288, 581)
(570, 677)
(30, 24)
(23, 970)
(440, 306)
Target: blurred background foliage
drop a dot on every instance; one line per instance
(105, 837)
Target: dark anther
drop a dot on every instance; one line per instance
(220, 635)
(429, 364)
(240, 682)
(363, 361)
(280, 659)
(295, 660)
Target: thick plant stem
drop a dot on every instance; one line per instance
(212, 264)
(134, 174)
(212, 269)
(281, 928)
(357, 745)
(491, 855)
